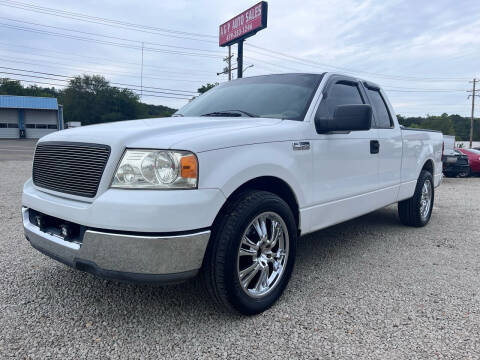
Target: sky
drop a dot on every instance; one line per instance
(423, 53)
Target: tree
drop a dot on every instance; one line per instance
(448, 124)
(206, 87)
(14, 87)
(91, 100)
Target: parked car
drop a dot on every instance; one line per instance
(455, 163)
(473, 158)
(226, 186)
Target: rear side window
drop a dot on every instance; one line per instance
(382, 119)
(339, 94)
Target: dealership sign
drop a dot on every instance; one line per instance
(244, 25)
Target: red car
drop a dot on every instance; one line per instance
(473, 158)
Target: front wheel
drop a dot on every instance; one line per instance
(417, 210)
(252, 252)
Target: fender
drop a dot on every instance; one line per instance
(228, 169)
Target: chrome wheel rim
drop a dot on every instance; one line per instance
(426, 199)
(262, 254)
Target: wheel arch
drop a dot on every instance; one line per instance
(429, 166)
(271, 184)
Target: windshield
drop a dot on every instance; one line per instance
(285, 96)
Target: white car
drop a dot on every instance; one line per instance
(227, 185)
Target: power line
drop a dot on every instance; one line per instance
(72, 77)
(312, 63)
(116, 73)
(115, 83)
(66, 81)
(110, 36)
(83, 56)
(109, 22)
(127, 88)
(388, 88)
(104, 42)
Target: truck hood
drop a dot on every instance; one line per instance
(182, 133)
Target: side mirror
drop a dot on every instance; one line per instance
(346, 118)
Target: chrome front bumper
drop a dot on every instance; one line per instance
(124, 256)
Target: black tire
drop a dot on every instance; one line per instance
(409, 209)
(465, 173)
(220, 272)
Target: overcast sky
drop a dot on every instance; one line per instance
(422, 52)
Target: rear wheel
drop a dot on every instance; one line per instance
(417, 210)
(465, 173)
(252, 252)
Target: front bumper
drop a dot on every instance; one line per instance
(139, 258)
(147, 211)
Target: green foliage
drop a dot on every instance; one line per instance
(448, 124)
(14, 87)
(91, 100)
(206, 87)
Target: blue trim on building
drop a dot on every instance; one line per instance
(28, 102)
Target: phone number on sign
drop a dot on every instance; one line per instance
(239, 32)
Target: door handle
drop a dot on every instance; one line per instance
(374, 147)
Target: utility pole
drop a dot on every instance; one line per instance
(474, 94)
(228, 69)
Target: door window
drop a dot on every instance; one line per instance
(341, 93)
(382, 118)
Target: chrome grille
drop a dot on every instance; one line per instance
(71, 168)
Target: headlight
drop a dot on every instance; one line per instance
(156, 169)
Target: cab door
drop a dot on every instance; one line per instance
(345, 164)
(390, 143)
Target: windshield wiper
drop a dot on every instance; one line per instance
(230, 113)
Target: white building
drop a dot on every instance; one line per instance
(29, 117)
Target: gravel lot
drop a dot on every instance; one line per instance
(368, 288)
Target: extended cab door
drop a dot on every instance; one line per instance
(390, 143)
(345, 163)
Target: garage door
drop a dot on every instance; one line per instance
(8, 124)
(39, 123)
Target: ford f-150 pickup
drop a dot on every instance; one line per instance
(226, 186)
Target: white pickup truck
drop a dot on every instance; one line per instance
(226, 186)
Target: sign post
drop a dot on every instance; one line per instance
(242, 26)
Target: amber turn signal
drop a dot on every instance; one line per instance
(188, 167)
